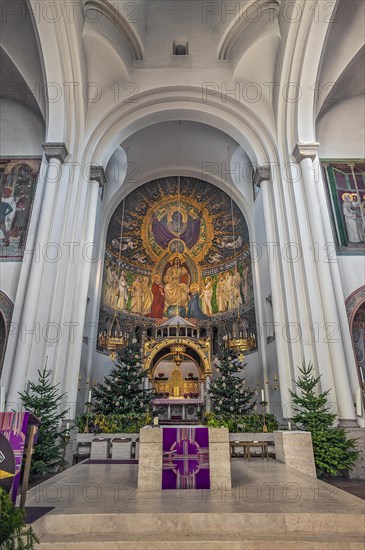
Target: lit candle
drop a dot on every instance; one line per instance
(262, 395)
(89, 396)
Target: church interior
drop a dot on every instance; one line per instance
(186, 177)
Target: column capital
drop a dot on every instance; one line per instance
(305, 151)
(55, 151)
(262, 173)
(97, 173)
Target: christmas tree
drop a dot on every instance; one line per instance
(333, 452)
(43, 400)
(229, 395)
(122, 391)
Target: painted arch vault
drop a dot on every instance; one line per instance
(177, 247)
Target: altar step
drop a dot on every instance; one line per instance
(217, 541)
(201, 531)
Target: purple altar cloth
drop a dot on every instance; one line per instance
(185, 462)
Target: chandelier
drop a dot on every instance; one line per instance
(240, 344)
(241, 340)
(113, 339)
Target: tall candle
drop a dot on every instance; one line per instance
(262, 395)
(89, 396)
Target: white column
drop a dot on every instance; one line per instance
(262, 179)
(304, 155)
(55, 154)
(97, 181)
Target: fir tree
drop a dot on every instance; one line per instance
(43, 400)
(122, 391)
(229, 395)
(333, 452)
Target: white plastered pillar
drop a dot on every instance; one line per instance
(28, 330)
(263, 179)
(96, 183)
(305, 154)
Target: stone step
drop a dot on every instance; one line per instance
(174, 524)
(210, 541)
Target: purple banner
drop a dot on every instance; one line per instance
(185, 463)
(13, 431)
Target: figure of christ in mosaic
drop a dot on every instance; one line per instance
(177, 281)
(176, 249)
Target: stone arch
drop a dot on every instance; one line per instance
(355, 303)
(6, 313)
(205, 368)
(166, 104)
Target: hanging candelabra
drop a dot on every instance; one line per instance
(241, 338)
(113, 339)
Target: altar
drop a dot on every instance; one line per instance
(184, 457)
(177, 410)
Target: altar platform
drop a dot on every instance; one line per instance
(270, 506)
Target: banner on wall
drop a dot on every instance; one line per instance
(13, 435)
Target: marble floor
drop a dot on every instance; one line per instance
(258, 487)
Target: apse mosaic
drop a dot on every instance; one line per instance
(177, 248)
(346, 192)
(18, 183)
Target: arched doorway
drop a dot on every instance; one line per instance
(358, 338)
(355, 306)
